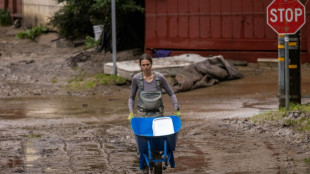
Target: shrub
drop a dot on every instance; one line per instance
(5, 18)
(73, 20)
(76, 19)
(32, 33)
(90, 43)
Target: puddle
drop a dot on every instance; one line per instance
(31, 154)
(15, 161)
(11, 114)
(92, 134)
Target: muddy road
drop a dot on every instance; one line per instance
(92, 134)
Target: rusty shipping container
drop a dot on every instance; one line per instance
(236, 29)
(3, 4)
(14, 6)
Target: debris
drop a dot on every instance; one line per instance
(62, 43)
(205, 73)
(17, 23)
(81, 57)
(114, 99)
(27, 61)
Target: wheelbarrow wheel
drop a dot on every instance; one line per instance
(158, 166)
(146, 170)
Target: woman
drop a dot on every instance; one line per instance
(149, 85)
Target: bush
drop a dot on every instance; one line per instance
(76, 19)
(129, 23)
(5, 18)
(73, 20)
(33, 33)
(90, 43)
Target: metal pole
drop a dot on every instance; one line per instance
(287, 82)
(281, 85)
(113, 36)
(294, 68)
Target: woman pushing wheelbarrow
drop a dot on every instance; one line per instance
(155, 135)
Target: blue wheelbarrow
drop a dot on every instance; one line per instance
(156, 140)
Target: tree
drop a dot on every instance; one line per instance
(76, 18)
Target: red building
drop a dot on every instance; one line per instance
(15, 7)
(236, 29)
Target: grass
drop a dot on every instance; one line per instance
(90, 43)
(307, 160)
(5, 18)
(80, 82)
(302, 123)
(32, 136)
(105, 79)
(268, 116)
(54, 80)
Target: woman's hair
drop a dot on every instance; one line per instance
(145, 57)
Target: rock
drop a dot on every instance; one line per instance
(62, 43)
(238, 62)
(27, 61)
(80, 57)
(17, 23)
(294, 115)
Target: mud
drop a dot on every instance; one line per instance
(39, 68)
(44, 129)
(92, 134)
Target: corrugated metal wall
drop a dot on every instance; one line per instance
(234, 28)
(15, 7)
(3, 4)
(38, 12)
(33, 12)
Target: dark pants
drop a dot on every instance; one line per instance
(149, 114)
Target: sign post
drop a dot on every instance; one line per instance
(286, 17)
(287, 73)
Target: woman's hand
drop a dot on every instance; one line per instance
(131, 115)
(177, 113)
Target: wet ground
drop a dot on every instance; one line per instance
(92, 134)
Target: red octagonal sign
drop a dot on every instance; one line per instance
(286, 16)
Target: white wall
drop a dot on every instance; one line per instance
(38, 12)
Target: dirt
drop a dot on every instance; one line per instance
(38, 67)
(47, 129)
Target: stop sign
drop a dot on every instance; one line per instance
(286, 16)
